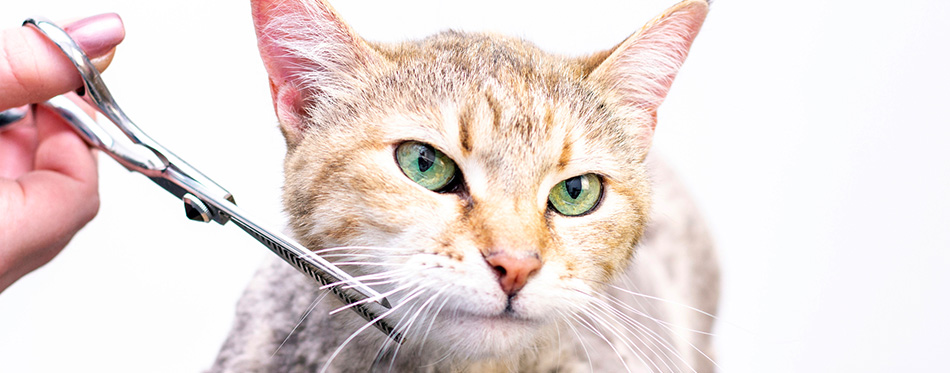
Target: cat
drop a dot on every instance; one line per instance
(502, 197)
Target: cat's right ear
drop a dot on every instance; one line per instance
(310, 55)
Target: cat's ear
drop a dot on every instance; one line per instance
(310, 55)
(640, 70)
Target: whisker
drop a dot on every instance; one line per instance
(387, 346)
(352, 336)
(407, 327)
(371, 299)
(655, 338)
(364, 248)
(429, 329)
(376, 283)
(313, 306)
(658, 321)
(364, 264)
(372, 276)
(664, 324)
(359, 255)
(626, 322)
(590, 362)
(557, 331)
(627, 342)
(610, 344)
(668, 325)
(664, 300)
(434, 315)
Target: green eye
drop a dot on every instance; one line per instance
(577, 195)
(425, 165)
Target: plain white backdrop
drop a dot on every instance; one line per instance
(814, 135)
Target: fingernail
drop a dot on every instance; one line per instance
(97, 35)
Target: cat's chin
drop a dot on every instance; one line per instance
(503, 320)
(480, 336)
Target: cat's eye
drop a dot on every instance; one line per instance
(577, 195)
(425, 165)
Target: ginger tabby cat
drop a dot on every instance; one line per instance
(501, 197)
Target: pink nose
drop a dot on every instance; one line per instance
(513, 271)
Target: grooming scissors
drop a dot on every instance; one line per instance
(204, 199)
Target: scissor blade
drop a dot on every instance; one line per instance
(370, 311)
(311, 265)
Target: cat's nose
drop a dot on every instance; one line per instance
(513, 270)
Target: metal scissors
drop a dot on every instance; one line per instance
(204, 199)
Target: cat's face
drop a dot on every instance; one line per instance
(492, 186)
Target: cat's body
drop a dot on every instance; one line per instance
(499, 196)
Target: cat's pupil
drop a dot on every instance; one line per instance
(574, 186)
(426, 158)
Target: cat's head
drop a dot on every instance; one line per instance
(492, 184)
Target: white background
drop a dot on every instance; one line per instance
(813, 133)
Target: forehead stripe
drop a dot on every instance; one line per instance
(466, 116)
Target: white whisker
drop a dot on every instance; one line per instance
(372, 276)
(371, 299)
(627, 307)
(590, 362)
(610, 344)
(364, 264)
(625, 322)
(407, 328)
(407, 299)
(313, 305)
(661, 323)
(435, 314)
(665, 301)
(363, 248)
(627, 342)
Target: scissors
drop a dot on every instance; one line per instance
(204, 199)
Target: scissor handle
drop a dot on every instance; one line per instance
(138, 152)
(204, 199)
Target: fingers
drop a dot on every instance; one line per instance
(33, 69)
(17, 146)
(18, 143)
(44, 208)
(61, 151)
(49, 187)
(61, 193)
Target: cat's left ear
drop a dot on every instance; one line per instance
(640, 71)
(311, 57)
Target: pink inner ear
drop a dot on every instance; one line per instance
(289, 106)
(263, 13)
(301, 36)
(309, 54)
(643, 67)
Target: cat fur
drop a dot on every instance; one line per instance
(631, 286)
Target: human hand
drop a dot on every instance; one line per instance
(49, 186)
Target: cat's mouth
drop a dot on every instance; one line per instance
(494, 334)
(505, 314)
(506, 318)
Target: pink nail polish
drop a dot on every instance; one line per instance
(97, 35)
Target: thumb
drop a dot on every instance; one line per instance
(33, 69)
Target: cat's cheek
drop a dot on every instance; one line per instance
(461, 280)
(599, 246)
